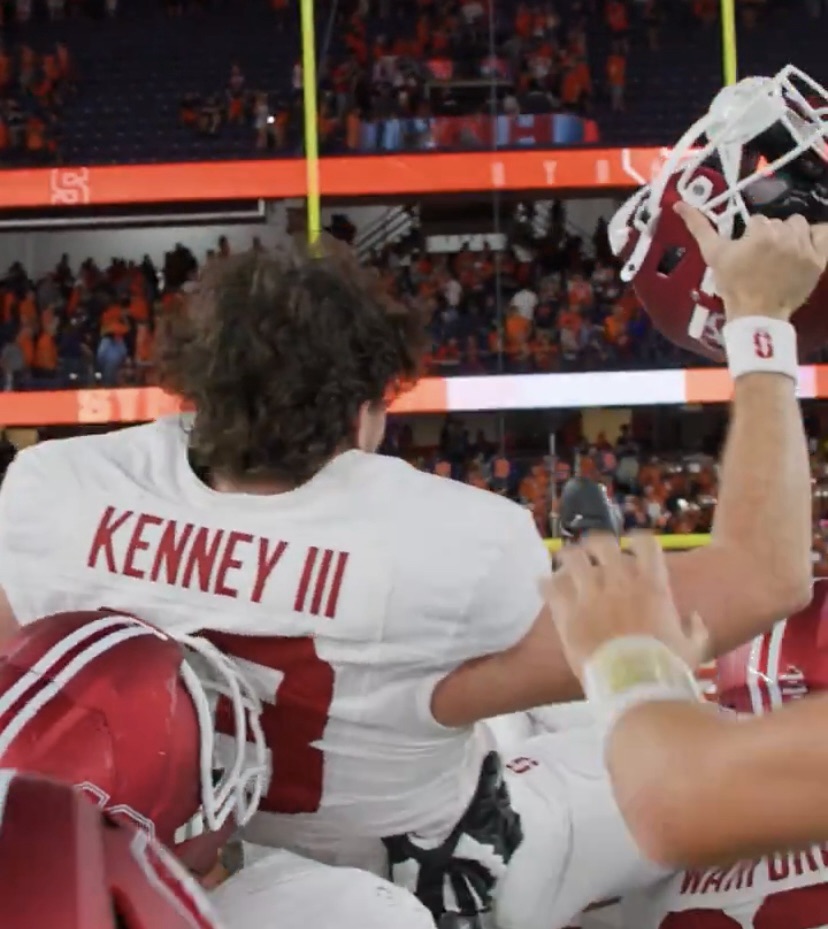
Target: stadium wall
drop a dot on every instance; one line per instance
(40, 251)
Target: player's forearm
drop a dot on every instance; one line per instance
(757, 568)
(765, 499)
(698, 788)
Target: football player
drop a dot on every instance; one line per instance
(784, 890)
(66, 864)
(378, 612)
(125, 713)
(637, 660)
(696, 786)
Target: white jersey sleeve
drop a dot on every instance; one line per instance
(28, 513)
(285, 891)
(507, 600)
(576, 848)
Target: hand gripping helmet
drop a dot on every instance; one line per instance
(110, 704)
(760, 149)
(66, 864)
(788, 662)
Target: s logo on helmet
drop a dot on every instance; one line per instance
(711, 335)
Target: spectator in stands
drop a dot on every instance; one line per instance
(235, 95)
(112, 353)
(617, 77)
(76, 357)
(13, 365)
(45, 366)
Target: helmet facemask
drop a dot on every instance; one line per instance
(766, 138)
(234, 771)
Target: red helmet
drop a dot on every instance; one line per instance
(114, 706)
(788, 662)
(65, 864)
(759, 149)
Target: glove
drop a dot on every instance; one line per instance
(455, 879)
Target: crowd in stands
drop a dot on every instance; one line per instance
(548, 304)
(422, 75)
(271, 115)
(87, 326)
(541, 307)
(671, 493)
(395, 67)
(34, 85)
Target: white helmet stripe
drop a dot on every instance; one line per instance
(61, 649)
(47, 692)
(6, 778)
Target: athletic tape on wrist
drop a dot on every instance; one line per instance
(759, 344)
(629, 670)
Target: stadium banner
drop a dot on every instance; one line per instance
(476, 132)
(345, 177)
(479, 394)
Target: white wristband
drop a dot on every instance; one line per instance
(630, 670)
(759, 344)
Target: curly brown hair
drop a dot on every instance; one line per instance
(278, 351)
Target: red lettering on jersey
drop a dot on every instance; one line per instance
(185, 555)
(804, 862)
(734, 877)
(522, 765)
(294, 722)
(137, 544)
(797, 908)
(229, 562)
(778, 867)
(304, 580)
(336, 586)
(267, 562)
(202, 558)
(102, 540)
(170, 551)
(801, 908)
(321, 586)
(794, 864)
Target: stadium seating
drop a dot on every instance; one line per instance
(135, 69)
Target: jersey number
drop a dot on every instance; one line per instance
(292, 720)
(803, 908)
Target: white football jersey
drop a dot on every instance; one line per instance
(345, 600)
(577, 850)
(788, 890)
(285, 891)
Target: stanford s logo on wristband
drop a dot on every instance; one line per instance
(760, 344)
(763, 344)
